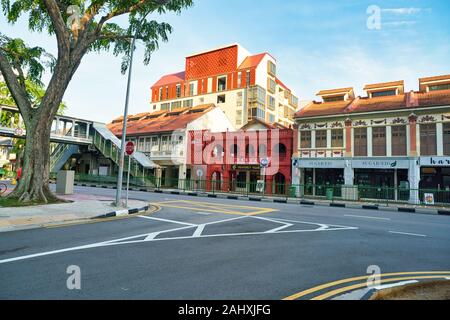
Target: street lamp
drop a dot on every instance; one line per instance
(125, 113)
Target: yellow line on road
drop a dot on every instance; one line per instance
(338, 282)
(364, 284)
(215, 207)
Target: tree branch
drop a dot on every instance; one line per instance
(62, 35)
(18, 93)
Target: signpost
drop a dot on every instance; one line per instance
(261, 184)
(129, 150)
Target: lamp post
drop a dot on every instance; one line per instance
(125, 113)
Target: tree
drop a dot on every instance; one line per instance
(79, 27)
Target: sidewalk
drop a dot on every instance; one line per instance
(366, 205)
(81, 208)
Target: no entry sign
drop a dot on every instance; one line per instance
(129, 148)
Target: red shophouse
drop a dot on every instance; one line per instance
(235, 161)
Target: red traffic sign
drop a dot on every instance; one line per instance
(129, 148)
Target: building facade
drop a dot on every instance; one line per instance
(255, 159)
(244, 86)
(390, 139)
(162, 137)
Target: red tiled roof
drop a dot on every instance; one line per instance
(384, 85)
(323, 109)
(386, 103)
(170, 79)
(164, 123)
(252, 61)
(334, 91)
(434, 98)
(379, 104)
(280, 83)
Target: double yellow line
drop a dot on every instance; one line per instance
(403, 276)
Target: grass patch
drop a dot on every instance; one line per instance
(14, 202)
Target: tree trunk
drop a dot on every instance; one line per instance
(33, 184)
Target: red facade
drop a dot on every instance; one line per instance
(233, 159)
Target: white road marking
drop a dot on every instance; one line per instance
(203, 213)
(149, 237)
(393, 285)
(367, 217)
(284, 224)
(408, 234)
(166, 220)
(198, 231)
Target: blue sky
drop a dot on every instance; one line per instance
(318, 45)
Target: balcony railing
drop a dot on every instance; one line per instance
(322, 153)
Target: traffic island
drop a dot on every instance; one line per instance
(428, 290)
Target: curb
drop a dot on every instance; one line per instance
(121, 213)
(369, 207)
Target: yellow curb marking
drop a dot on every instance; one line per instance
(364, 284)
(338, 282)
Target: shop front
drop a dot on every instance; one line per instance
(435, 178)
(314, 176)
(382, 178)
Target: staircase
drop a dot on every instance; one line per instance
(60, 155)
(109, 145)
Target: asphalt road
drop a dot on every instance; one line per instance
(201, 248)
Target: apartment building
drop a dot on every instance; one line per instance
(244, 86)
(389, 138)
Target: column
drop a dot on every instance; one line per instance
(369, 141)
(158, 176)
(57, 125)
(440, 139)
(296, 177)
(329, 144)
(88, 127)
(389, 141)
(414, 179)
(182, 175)
(348, 138)
(73, 128)
(413, 152)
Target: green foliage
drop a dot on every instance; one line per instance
(35, 94)
(108, 35)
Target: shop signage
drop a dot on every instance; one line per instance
(320, 163)
(380, 164)
(435, 161)
(428, 199)
(245, 167)
(260, 186)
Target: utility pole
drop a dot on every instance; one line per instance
(125, 113)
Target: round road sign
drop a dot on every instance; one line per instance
(129, 148)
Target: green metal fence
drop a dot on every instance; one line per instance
(334, 193)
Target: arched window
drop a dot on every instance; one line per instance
(262, 151)
(234, 151)
(280, 149)
(249, 150)
(217, 151)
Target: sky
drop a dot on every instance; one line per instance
(318, 45)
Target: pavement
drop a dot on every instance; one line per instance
(315, 201)
(206, 249)
(81, 207)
